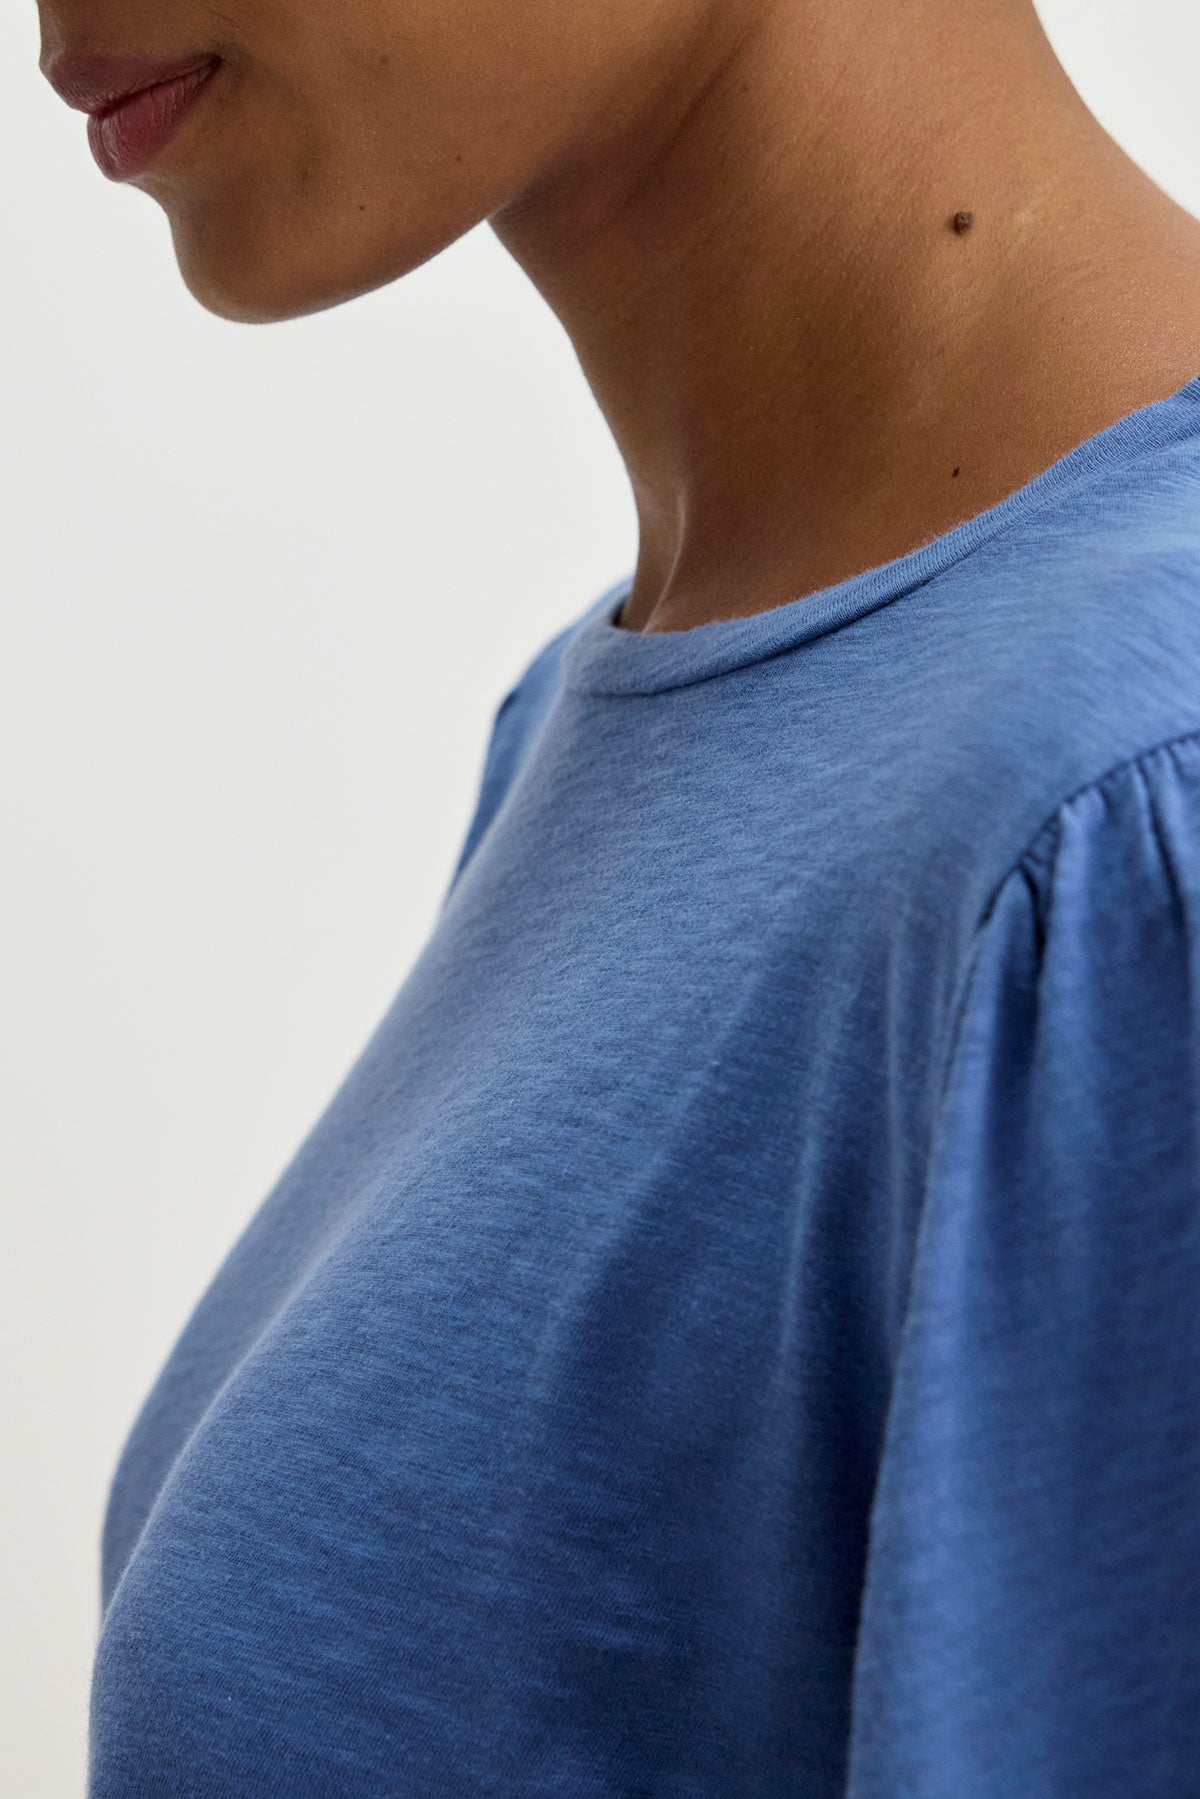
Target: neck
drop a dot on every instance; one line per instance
(807, 369)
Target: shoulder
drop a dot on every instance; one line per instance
(516, 722)
(1055, 673)
(524, 707)
(1086, 635)
(1067, 653)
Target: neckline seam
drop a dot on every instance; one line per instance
(588, 664)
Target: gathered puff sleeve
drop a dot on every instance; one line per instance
(1030, 1623)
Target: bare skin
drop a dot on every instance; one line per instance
(742, 211)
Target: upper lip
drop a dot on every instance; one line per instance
(96, 83)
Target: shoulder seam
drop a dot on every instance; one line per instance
(1038, 852)
(1038, 846)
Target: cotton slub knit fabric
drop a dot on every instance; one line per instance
(735, 1331)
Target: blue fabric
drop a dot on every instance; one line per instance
(735, 1330)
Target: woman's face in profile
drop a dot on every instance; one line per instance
(342, 142)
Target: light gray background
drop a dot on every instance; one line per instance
(262, 589)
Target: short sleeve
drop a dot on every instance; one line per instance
(1030, 1622)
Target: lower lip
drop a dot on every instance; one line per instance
(127, 138)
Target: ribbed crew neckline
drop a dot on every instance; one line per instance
(602, 657)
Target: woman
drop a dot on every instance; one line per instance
(736, 1329)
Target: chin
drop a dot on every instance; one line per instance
(254, 272)
(227, 294)
(241, 281)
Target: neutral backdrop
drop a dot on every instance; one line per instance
(262, 590)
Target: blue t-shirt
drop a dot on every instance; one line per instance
(735, 1330)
